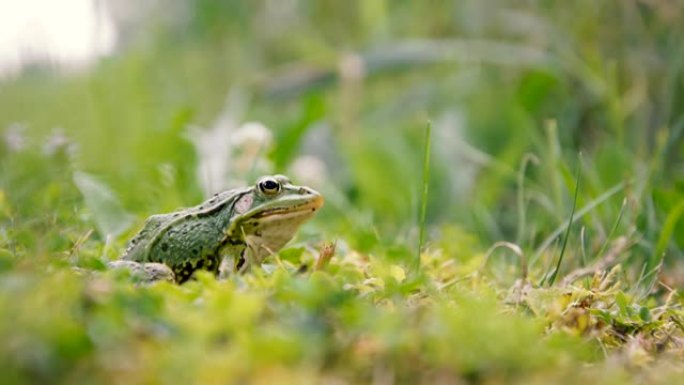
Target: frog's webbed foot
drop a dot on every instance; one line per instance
(145, 272)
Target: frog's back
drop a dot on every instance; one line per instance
(186, 240)
(190, 244)
(137, 247)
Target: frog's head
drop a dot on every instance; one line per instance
(268, 214)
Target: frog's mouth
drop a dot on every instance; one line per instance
(308, 206)
(267, 230)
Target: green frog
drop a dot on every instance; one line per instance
(239, 227)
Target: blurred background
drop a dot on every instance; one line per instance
(113, 110)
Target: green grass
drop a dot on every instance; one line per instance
(554, 272)
(425, 194)
(513, 93)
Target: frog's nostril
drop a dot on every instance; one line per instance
(304, 191)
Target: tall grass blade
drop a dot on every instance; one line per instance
(666, 232)
(579, 214)
(424, 197)
(613, 229)
(554, 274)
(527, 159)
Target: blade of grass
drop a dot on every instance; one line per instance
(527, 159)
(658, 256)
(580, 213)
(554, 274)
(667, 230)
(583, 246)
(553, 157)
(424, 197)
(646, 280)
(612, 230)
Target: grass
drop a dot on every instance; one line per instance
(512, 98)
(554, 273)
(424, 196)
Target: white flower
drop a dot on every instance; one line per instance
(308, 170)
(14, 137)
(58, 141)
(248, 146)
(230, 154)
(251, 137)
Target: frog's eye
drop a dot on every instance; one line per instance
(269, 186)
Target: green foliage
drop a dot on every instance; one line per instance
(355, 320)
(514, 92)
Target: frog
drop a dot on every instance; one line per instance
(228, 233)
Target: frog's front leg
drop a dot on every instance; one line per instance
(253, 254)
(231, 264)
(246, 258)
(234, 257)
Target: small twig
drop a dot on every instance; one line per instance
(325, 255)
